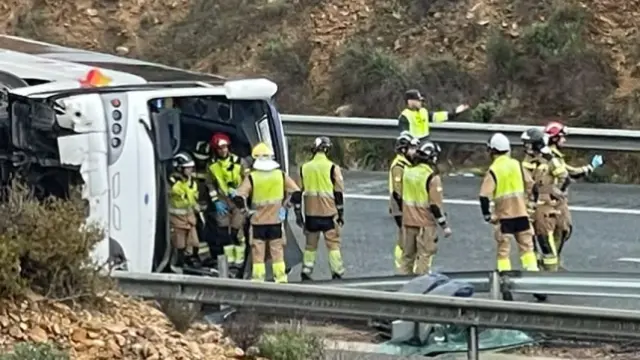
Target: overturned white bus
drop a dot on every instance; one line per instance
(117, 139)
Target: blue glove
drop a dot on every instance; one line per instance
(221, 208)
(596, 161)
(232, 193)
(282, 214)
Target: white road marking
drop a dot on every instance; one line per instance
(626, 259)
(601, 210)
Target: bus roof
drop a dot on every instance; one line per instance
(30, 59)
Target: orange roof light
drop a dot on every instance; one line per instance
(95, 78)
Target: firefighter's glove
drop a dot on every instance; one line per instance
(282, 214)
(461, 109)
(447, 232)
(299, 218)
(340, 219)
(597, 161)
(221, 207)
(531, 208)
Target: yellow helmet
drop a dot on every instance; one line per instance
(261, 150)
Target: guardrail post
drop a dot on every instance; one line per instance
(494, 285)
(223, 267)
(223, 272)
(473, 352)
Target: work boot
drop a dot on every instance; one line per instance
(180, 258)
(305, 277)
(193, 261)
(336, 276)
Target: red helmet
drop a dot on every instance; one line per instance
(555, 128)
(219, 140)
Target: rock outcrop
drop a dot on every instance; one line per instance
(123, 329)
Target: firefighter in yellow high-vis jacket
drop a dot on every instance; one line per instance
(405, 147)
(415, 118)
(265, 190)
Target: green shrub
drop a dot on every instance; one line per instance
(287, 63)
(484, 112)
(244, 328)
(215, 26)
(46, 246)
(503, 62)
(291, 343)
(35, 351)
(444, 83)
(370, 79)
(181, 313)
(372, 154)
(550, 66)
(563, 33)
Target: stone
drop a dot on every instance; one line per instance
(38, 334)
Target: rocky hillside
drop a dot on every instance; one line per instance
(125, 329)
(512, 60)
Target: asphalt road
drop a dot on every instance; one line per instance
(600, 237)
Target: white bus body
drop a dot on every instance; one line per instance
(117, 139)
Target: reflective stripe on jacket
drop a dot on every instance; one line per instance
(227, 173)
(268, 187)
(183, 196)
(400, 160)
(414, 186)
(509, 178)
(419, 120)
(316, 177)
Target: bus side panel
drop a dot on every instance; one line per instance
(128, 174)
(147, 197)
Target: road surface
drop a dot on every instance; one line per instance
(606, 221)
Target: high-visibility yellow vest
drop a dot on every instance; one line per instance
(419, 120)
(183, 196)
(316, 176)
(227, 173)
(400, 160)
(268, 187)
(414, 185)
(509, 180)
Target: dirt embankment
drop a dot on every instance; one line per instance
(512, 60)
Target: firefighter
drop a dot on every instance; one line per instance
(206, 220)
(508, 184)
(551, 179)
(422, 210)
(405, 148)
(183, 197)
(323, 192)
(267, 187)
(226, 174)
(528, 165)
(415, 118)
(556, 133)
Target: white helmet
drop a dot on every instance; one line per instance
(499, 142)
(183, 160)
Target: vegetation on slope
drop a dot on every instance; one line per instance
(513, 61)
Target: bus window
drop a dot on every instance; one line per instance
(264, 131)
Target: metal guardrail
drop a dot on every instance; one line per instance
(337, 303)
(453, 132)
(573, 283)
